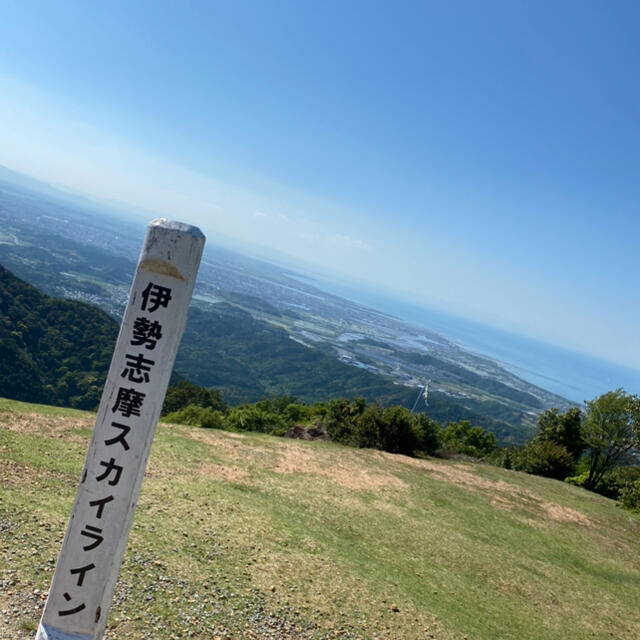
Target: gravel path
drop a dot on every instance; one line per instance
(192, 614)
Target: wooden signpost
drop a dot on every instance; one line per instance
(152, 327)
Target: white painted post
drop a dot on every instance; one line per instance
(152, 327)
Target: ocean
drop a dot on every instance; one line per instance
(574, 376)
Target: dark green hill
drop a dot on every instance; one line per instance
(58, 351)
(51, 350)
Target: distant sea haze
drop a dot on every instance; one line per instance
(571, 375)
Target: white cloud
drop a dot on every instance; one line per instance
(351, 243)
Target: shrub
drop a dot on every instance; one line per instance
(544, 458)
(578, 480)
(391, 430)
(616, 480)
(197, 416)
(630, 496)
(252, 418)
(503, 457)
(461, 437)
(612, 483)
(340, 417)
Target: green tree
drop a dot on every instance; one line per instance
(398, 434)
(428, 433)
(360, 425)
(369, 427)
(340, 417)
(611, 431)
(186, 393)
(564, 429)
(461, 437)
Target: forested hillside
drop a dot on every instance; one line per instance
(51, 350)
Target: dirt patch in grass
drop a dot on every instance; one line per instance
(460, 475)
(350, 473)
(292, 458)
(229, 442)
(541, 509)
(456, 474)
(230, 474)
(235, 436)
(558, 513)
(505, 495)
(300, 459)
(49, 426)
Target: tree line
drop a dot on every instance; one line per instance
(596, 447)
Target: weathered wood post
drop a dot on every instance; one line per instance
(152, 327)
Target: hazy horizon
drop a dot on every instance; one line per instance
(457, 328)
(480, 161)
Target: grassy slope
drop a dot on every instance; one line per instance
(249, 536)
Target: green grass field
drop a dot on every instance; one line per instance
(250, 536)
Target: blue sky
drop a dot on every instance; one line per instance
(481, 158)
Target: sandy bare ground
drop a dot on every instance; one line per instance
(505, 495)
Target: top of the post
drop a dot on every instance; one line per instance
(172, 249)
(174, 225)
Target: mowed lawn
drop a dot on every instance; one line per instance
(249, 536)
